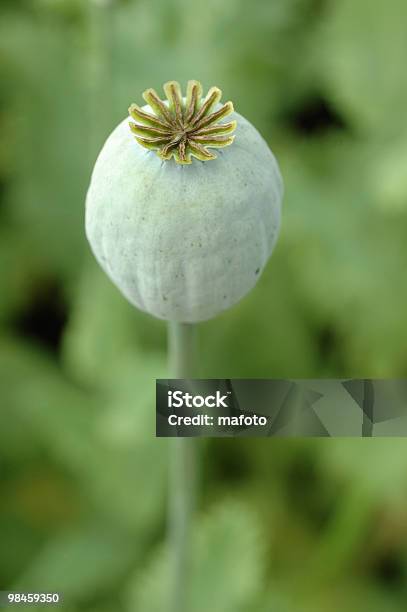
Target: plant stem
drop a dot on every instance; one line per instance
(182, 476)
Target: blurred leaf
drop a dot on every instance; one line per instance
(364, 48)
(389, 179)
(105, 331)
(106, 441)
(50, 165)
(386, 482)
(102, 331)
(79, 564)
(226, 570)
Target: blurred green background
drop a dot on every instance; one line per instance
(283, 525)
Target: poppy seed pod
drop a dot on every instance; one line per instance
(183, 229)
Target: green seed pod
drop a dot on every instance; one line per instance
(182, 231)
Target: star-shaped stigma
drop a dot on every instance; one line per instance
(183, 128)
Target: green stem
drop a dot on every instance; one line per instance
(182, 485)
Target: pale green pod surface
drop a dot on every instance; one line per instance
(184, 242)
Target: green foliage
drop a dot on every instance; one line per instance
(313, 525)
(364, 44)
(216, 581)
